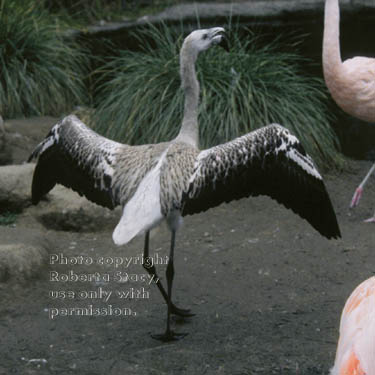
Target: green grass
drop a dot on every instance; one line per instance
(141, 101)
(8, 218)
(40, 72)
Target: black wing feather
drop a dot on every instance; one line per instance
(269, 161)
(73, 155)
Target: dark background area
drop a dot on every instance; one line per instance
(357, 137)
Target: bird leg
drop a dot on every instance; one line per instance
(356, 196)
(150, 268)
(358, 192)
(371, 219)
(169, 335)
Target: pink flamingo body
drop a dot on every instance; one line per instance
(356, 347)
(351, 83)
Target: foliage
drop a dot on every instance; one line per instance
(8, 218)
(41, 73)
(141, 100)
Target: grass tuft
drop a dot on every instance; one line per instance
(141, 101)
(40, 72)
(8, 218)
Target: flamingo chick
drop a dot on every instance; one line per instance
(166, 181)
(356, 348)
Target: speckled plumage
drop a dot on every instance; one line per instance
(168, 180)
(133, 163)
(269, 161)
(175, 175)
(75, 156)
(106, 172)
(191, 181)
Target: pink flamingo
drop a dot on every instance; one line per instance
(351, 83)
(356, 347)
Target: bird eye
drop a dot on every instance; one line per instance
(205, 36)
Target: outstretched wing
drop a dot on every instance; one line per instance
(75, 156)
(269, 161)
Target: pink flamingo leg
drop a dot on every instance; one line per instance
(358, 194)
(356, 197)
(370, 220)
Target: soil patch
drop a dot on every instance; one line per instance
(266, 288)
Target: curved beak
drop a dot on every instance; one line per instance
(224, 43)
(219, 38)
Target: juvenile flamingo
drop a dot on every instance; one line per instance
(351, 83)
(356, 348)
(166, 181)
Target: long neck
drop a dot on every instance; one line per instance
(189, 132)
(331, 38)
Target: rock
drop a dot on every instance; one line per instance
(18, 137)
(62, 209)
(65, 210)
(24, 259)
(24, 134)
(15, 187)
(251, 12)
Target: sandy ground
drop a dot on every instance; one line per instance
(266, 289)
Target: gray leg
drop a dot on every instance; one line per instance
(152, 271)
(169, 335)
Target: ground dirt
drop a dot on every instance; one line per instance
(266, 289)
